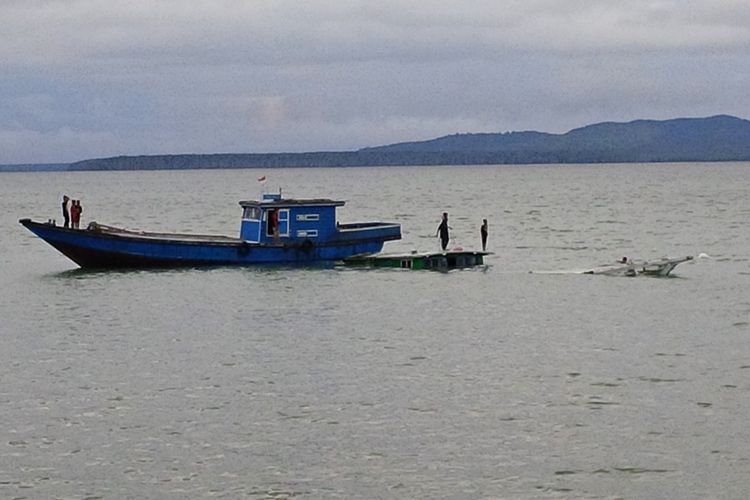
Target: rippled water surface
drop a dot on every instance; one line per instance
(273, 383)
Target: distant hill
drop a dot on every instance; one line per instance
(716, 138)
(34, 167)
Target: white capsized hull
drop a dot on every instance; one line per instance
(658, 267)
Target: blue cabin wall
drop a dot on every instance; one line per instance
(249, 230)
(301, 227)
(251, 223)
(314, 222)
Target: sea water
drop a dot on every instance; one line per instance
(504, 381)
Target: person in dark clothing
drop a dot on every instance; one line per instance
(442, 231)
(483, 232)
(65, 213)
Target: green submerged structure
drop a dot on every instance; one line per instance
(438, 261)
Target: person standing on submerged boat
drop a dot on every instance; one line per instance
(483, 232)
(65, 213)
(442, 231)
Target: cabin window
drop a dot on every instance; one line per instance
(308, 217)
(251, 213)
(284, 222)
(307, 233)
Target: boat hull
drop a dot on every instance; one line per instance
(658, 267)
(124, 249)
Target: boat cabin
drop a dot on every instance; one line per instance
(274, 220)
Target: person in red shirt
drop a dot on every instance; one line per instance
(75, 214)
(273, 224)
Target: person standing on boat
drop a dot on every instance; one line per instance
(65, 213)
(483, 232)
(442, 231)
(75, 214)
(273, 224)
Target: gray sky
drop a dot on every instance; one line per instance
(89, 78)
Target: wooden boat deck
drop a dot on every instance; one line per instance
(189, 237)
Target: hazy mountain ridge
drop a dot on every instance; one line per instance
(715, 138)
(34, 167)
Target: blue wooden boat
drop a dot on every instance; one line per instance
(273, 230)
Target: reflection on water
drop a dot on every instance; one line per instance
(329, 382)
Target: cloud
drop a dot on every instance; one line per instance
(236, 75)
(287, 32)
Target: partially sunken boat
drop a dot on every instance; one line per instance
(627, 267)
(439, 261)
(273, 231)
